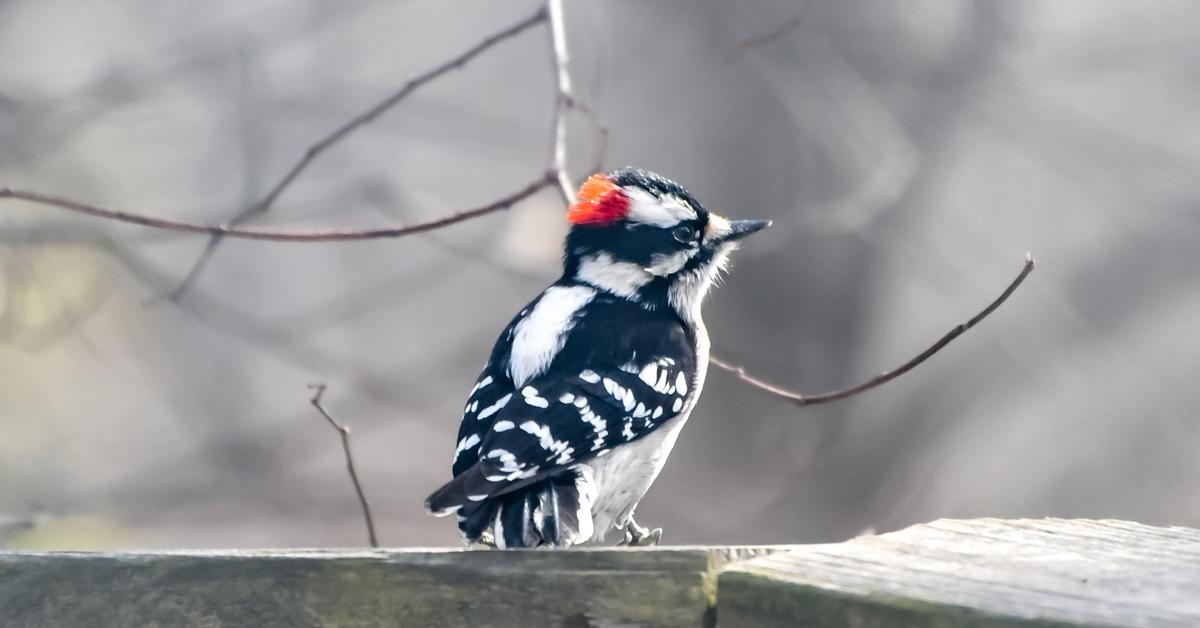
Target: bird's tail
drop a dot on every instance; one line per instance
(556, 511)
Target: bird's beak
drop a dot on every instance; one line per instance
(722, 230)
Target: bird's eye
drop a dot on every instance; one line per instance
(686, 235)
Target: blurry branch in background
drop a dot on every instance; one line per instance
(346, 129)
(281, 235)
(564, 100)
(12, 526)
(344, 432)
(887, 376)
(556, 175)
(783, 30)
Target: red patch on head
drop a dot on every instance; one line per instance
(600, 202)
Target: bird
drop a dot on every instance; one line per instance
(585, 391)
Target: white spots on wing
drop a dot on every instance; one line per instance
(640, 411)
(503, 426)
(598, 423)
(495, 407)
(628, 431)
(566, 398)
(649, 374)
(627, 399)
(541, 335)
(661, 385)
(466, 443)
(623, 279)
(678, 404)
(471, 407)
(508, 462)
(611, 387)
(581, 401)
(657, 412)
(477, 498)
(531, 397)
(589, 376)
(681, 383)
(480, 384)
(560, 448)
(629, 367)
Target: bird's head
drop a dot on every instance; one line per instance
(640, 236)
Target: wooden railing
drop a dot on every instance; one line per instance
(984, 572)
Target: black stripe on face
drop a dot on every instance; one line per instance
(629, 242)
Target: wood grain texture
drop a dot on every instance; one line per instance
(580, 588)
(981, 572)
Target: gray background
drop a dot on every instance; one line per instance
(909, 153)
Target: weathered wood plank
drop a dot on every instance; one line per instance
(983, 572)
(601, 587)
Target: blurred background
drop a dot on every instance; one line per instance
(909, 153)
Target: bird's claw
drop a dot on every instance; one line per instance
(637, 536)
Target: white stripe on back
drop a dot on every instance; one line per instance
(542, 334)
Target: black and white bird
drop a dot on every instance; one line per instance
(587, 388)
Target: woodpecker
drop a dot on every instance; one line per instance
(583, 397)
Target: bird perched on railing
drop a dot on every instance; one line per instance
(587, 388)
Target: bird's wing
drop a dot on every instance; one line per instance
(566, 417)
(492, 392)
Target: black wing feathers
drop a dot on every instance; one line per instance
(622, 373)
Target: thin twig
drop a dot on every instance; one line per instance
(887, 376)
(282, 235)
(782, 30)
(556, 175)
(12, 526)
(564, 100)
(348, 127)
(344, 432)
(601, 142)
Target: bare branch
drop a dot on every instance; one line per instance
(344, 432)
(282, 235)
(778, 32)
(346, 129)
(10, 527)
(601, 143)
(556, 175)
(564, 101)
(887, 376)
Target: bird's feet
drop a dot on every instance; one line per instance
(637, 536)
(487, 540)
